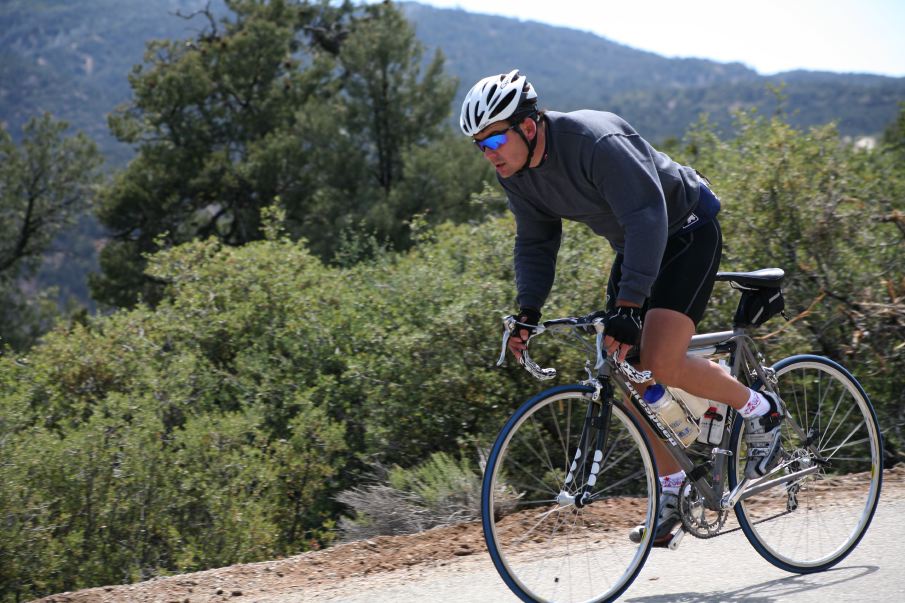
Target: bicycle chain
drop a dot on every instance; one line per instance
(691, 525)
(739, 528)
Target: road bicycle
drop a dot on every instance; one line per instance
(572, 472)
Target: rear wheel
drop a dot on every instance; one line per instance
(548, 542)
(811, 523)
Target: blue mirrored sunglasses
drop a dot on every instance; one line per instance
(494, 141)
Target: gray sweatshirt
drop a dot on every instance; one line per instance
(598, 171)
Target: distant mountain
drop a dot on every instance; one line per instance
(73, 58)
(660, 96)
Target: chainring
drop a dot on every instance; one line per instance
(697, 519)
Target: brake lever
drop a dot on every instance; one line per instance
(539, 373)
(599, 327)
(510, 323)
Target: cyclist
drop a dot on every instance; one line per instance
(660, 218)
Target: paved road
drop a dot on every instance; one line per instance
(875, 571)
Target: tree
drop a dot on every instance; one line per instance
(397, 114)
(311, 106)
(391, 105)
(45, 183)
(202, 110)
(894, 136)
(385, 152)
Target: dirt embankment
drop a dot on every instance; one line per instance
(265, 580)
(309, 572)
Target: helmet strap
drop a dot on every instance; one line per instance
(531, 144)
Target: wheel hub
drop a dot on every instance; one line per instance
(564, 499)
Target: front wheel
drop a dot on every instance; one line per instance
(810, 524)
(566, 481)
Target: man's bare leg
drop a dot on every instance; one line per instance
(664, 343)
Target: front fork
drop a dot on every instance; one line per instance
(586, 463)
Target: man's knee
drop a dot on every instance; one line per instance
(664, 370)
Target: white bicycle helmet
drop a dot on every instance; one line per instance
(494, 99)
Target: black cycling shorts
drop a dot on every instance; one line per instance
(685, 280)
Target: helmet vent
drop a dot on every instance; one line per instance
(504, 103)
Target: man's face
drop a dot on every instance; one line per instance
(510, 153)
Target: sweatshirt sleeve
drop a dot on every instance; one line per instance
(623, 170)
(537, 239)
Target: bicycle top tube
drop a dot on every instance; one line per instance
(709, 344)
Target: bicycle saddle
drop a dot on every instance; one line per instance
(766, 277)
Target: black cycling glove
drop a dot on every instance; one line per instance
(528, 316)
(624, 325)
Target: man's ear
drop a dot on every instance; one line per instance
(529, 127)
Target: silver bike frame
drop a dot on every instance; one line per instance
(743, 360)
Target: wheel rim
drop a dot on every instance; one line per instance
(814, 522)
(544, 546)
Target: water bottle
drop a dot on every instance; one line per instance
(696, 405)
(711, 415)
(672, 413)
(713, 420)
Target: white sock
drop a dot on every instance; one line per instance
(757, 405)
(671, 483)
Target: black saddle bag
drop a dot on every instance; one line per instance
(757, 306)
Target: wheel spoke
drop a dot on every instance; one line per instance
(835, 504)
(550, 548)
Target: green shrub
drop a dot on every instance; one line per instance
(222, 425)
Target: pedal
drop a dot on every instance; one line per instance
(676, 539)
(669, 541)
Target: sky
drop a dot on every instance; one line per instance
(770, 36)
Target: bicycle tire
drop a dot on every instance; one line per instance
(812, 524)
(545, 550)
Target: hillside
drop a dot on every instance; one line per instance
(661, 96)
(73, 60)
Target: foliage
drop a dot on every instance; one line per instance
(309, 104)
(74, 59)
(894, 136)
(200, 110)
(256, 390)
(830, 215)
(222, 424)
(442, 490)
(381, 510)
(45, 183)
(139, 446)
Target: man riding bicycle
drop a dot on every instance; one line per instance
(661, 219)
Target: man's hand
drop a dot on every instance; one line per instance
(518, 340)
(623, 330)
